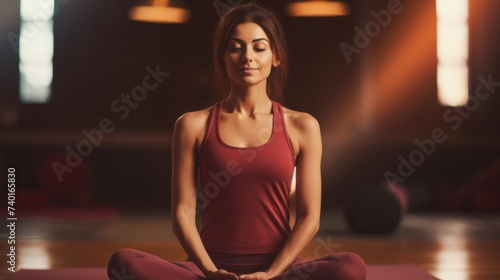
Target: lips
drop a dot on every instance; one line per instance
(248, 68)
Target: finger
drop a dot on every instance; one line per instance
(231, 276)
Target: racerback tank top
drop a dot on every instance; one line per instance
(244, 191)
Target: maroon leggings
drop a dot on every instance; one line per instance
(127, 264)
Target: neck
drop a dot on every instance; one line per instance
(248, 100)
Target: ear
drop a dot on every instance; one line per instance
(276, 62)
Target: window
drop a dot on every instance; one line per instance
(453, 51)
(36, 51)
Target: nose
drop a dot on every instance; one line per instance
(248, 56)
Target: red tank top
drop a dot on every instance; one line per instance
(244, 191)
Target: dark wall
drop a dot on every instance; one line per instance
(100, 55)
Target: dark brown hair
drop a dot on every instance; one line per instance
(269, 22)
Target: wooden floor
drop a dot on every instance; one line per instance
(450, 247)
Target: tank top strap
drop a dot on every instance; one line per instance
(216, 127)
(277, 123)
(212, 123)
(280, 126)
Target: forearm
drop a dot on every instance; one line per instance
(304, 230)
(187, 234)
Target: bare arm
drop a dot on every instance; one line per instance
(308, 195)
(186, 135)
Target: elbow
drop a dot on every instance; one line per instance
(312, 222)
(313, 227)
(182, 220)
(316, 227)
(176, 228)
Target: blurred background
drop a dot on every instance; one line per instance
(82, 132)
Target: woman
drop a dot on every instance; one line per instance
(244, 150)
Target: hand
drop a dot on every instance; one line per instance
(255, 276)
(221, 274)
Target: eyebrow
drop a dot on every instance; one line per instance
(253, 41)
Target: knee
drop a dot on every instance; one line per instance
(122, 256)
(121, 259)
(350, 266)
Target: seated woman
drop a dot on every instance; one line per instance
(244, 150)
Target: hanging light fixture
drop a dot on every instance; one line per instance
(317, 8)
(158, 11)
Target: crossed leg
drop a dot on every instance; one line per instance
(128, 264)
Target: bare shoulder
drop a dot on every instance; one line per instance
(303, 130)
(301, 121)
(193, 124)
(194, 118)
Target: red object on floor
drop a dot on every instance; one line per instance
(375, 272)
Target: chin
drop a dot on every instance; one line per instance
(250, 81)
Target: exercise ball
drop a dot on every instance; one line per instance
(377, 209)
